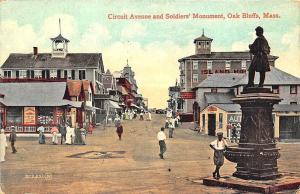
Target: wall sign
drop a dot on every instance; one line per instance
(212, 109)
(209, 71)
(188, 95)
(29, 116)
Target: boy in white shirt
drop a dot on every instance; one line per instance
(219, 146)
(161, 137)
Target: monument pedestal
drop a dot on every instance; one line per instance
(256, 154)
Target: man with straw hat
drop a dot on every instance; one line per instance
(219, 146)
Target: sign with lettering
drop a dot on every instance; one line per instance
(29, 116)
(209, 71)
(188, 95)
(234, 119)
(212, 109)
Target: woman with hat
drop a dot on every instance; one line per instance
(219, 146)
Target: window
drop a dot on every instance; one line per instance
(81, 74)
(195, 77)
(182, 66)
(203, 121)
(58, 72)
(73, 74)
(22, 73)
(293, 89)
(38, 73)
(17, 73)
(96, 76)
(195, 65)
(14, 115)
(213, 90)
(31, 73)
(293, 102)
(45, 74)
(28, 73)
(244, 64)
(45, 115)
(66, 74)
(275, 89)
(220, 120)
(7, 74)
(209, 65)
(53, 73)
(227, 65)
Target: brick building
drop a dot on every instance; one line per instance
(199, 66)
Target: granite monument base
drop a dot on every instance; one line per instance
(256, 154)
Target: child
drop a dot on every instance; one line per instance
(219, 146)
(83, 135)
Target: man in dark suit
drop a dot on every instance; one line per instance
(260, 49)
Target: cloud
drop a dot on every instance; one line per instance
(94, 38)
(133, 30)
(15, 38)
(243, 45)
(50, 27)
(239, 46)
(289, 60)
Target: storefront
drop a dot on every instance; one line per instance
(28, 105)
(28, 119)
(287, 121)
(222, 117)
(219, 117)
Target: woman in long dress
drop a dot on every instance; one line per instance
(3, 145)
(41, 131)
(54, 131)
(70, 135)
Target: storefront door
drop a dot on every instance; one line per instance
(289, 127)
(211, 124)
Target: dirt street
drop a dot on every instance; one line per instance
(107, 165)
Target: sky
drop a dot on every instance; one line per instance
(152, 46)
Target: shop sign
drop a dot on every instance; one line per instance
(209, 71)
(29, 116)
(234, 118)
(188, 95)
(212, 109)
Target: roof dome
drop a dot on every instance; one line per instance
(60, 38)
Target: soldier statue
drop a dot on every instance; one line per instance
(260, 49)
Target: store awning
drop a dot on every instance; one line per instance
(134, 105)
(122, 104)
(114, 104)
(75, 104)
(123, 90)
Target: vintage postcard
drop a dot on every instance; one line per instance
(157, 96)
